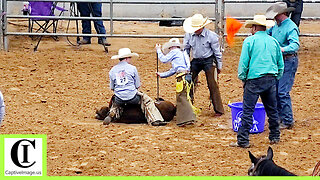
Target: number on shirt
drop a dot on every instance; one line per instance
(121, 78)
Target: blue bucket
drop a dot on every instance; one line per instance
(258, 117)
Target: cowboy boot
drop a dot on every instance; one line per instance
(151, 112)
(114, 111)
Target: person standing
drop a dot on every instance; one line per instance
(206, 56)
(92, 8)
(286, 33)
(295, 15)
(172, 52)
(125, 81)
(260, 65)
(2, 108)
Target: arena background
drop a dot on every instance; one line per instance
(55, 91)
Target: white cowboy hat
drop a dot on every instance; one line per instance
(278, 8)
(194, 23)
(172, 42)
(123, 53)
(259, 20)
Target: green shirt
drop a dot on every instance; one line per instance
(261, 55)
(287, 35)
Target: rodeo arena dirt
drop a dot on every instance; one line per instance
(56, 90)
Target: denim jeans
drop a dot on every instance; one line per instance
(265, 87)
(296, 17)
(85, 10)
(135, 100)
(284, 87)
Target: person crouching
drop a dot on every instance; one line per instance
(125, 81)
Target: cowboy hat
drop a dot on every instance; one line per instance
(194, 23)
(278, 8)
(259, 20)
(172, 42)
(123, 53)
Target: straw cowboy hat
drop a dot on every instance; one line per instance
(123, 53)
(172, 42)
(259, 20)
(194, 23)
(278, 8)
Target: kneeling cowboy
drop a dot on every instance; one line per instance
(125, 81)
(181, 66)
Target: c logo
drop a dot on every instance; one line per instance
(14, 153)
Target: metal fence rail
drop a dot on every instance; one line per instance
(111, 18)
(224, 2)
(219, 18)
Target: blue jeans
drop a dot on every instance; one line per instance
(85, 10)
(296, 17)
(135, 100)
(265, 87)
(284, 87)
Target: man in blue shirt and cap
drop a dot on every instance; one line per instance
(260, 65)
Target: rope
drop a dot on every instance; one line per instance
(316, 170)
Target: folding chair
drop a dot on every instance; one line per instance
(40, 8)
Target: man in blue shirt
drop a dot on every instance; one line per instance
(286, 33)
(125, 81)
(206, 56)
(260, 65)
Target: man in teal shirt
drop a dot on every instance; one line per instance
(260, 65)
(287, 34)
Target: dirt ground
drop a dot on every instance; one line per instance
(55, 91)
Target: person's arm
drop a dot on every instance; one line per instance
(186, 44)
(111, 81)
(243, 67)
(2, 108)
(280, 62)
(187, 59)
(167, 73)
(136, 78)
(215, 46)
(165, 58)
(293, 38)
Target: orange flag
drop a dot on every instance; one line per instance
(233, 26)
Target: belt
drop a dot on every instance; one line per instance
(203, 59)
(289, 55)
(182, 71)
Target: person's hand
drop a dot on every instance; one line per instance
(158, 46)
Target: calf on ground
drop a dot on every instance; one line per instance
(132, 114)
(264, 166)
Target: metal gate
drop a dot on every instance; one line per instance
(218, 9)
